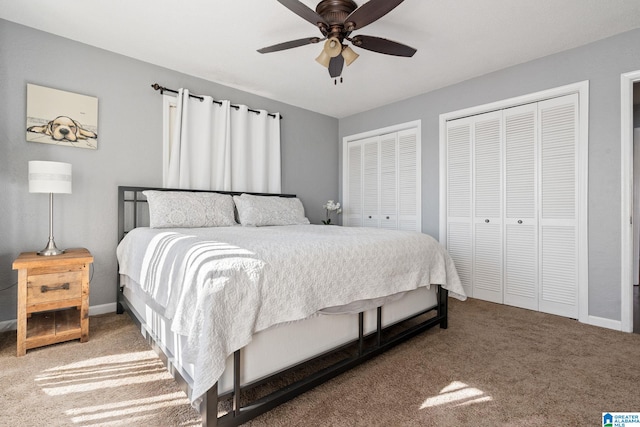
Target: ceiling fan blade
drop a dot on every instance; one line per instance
(303, 11)
(369, 12)
(289, 45)
(335, 66)
(380, 45)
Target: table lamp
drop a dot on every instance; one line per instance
(50, 177)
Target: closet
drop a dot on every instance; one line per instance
(512, 204)
(381, 185)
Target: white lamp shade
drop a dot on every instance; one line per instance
(49, 177)
(323, 59)
(349, 55)
(333, 47)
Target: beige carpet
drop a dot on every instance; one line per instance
(494, 366)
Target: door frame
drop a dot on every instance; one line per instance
(582, 89)
(626, 218)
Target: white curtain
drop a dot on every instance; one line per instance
(219, 147)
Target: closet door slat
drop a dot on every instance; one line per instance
(559, 131)
(353, 213)
(487, 147)
(408, 181)
(520, 199)
(370, 183)
(388, 181)
(459, 221)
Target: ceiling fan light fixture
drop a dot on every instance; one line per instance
(333, 47)
(323, 59)
(336, 19)
(349, 55)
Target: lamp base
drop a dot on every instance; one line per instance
(51, 249)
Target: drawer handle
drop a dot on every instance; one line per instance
(44, 289)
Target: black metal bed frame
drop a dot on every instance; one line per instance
(367, 345)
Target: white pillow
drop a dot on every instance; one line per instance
(258, 211)
(189, 209)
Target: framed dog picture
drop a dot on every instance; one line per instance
(62, 118)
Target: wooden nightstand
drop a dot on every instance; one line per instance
(53, 298)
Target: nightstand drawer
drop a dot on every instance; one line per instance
(58, 289)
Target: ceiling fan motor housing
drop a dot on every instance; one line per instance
(334, 13)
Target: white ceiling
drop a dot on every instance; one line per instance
(217, 40)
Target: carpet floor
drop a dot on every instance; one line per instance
(494, 366)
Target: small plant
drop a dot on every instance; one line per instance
(331, 207)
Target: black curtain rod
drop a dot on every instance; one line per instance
(163, 89)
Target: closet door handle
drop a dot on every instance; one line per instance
(519, 221)
(487, 221)
(369, 216)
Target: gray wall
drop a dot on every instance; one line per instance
(129, 149)
(601, 63)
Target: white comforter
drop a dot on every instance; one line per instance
(221, 285)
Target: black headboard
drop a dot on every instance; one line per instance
(133, 210)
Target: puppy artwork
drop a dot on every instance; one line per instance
(64, 128)
(61, 118)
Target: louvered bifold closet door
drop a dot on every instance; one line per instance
(409, 181)
(353, 209)
(370, 182)
(520, 200)
(388, 181)
(487, 207)
(459, 221)
(559, 133)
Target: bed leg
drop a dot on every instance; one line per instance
(443, 307)
(236, 383)
(209, 407)
(379, 326)
(119, 306)
(360, 333)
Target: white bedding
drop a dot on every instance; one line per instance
(221, 285)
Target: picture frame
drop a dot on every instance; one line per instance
(61, 118)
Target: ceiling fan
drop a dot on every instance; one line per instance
(337, 19)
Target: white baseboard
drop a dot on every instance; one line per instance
(605, 323)
(95, 310)
(8, 325)
(12, 325)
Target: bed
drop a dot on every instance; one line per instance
(237, 291)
